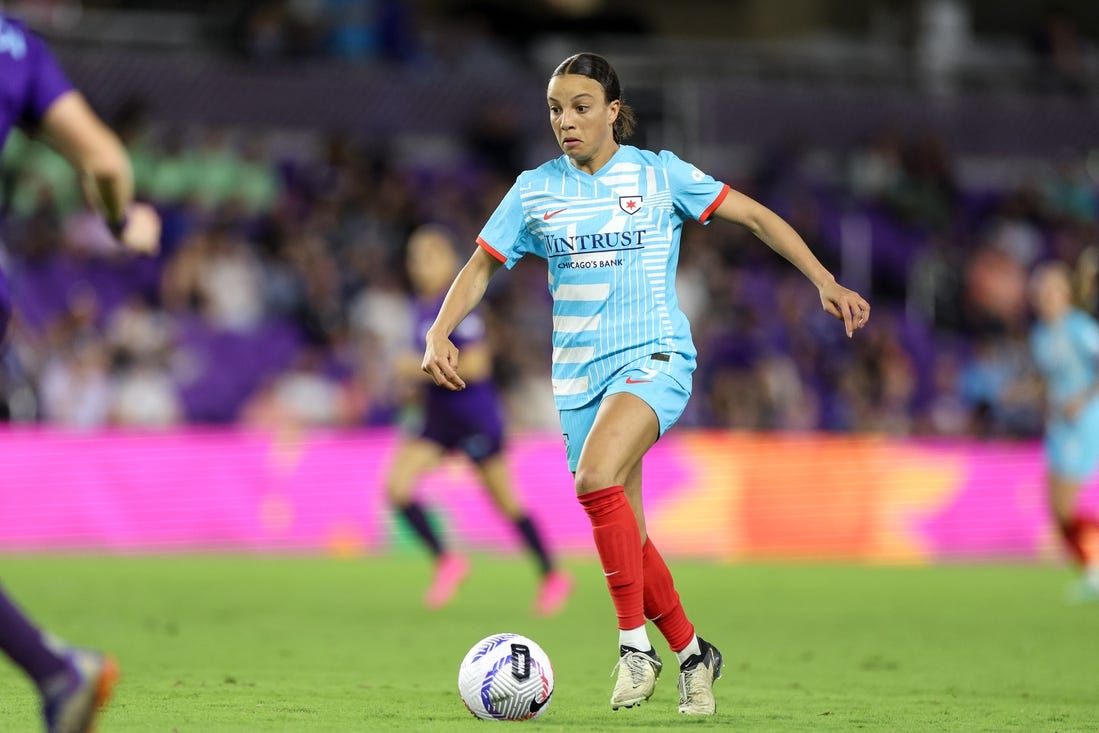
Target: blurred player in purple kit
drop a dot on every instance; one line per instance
(36, 96)
(467, 421)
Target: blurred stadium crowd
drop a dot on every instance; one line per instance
(280, 290)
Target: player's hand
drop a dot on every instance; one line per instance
(142, 232)
(846, 305)
(441, 362)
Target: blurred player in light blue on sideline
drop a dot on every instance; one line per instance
(1065, 347)
(469, 422)
(36, 96)
(607, 218)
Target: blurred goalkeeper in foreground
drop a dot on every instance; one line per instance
(36, 96)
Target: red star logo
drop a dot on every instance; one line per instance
(632, 204)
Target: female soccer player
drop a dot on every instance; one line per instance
(607, 218)
(1065, 346)
(467, 421)
(73, 683)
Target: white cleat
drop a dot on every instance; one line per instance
(637, 673)
(696, 681)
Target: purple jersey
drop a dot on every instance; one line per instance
(468, 420)
(470, 332)
(30, 81)
(30, 78)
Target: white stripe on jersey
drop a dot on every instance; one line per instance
(573, 354)
(593, 291)
(576, 324)
(570, 386)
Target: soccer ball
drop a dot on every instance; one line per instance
(506, 677)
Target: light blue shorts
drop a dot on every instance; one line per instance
(1072, 448)
(665, 393)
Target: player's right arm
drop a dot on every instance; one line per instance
(76, 132)
(440, 354)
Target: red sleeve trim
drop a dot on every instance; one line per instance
(488, 248)
(717, 202)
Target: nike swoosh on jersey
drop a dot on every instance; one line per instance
(550, 214)
(631, 380)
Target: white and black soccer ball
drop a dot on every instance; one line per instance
(506, 677)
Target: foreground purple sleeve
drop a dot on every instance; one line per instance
(46, 81)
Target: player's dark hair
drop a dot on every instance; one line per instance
(596, 67)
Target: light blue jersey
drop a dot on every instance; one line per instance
(611, 241)
(1067, 355)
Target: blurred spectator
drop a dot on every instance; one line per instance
(1015, 229)
(142, 340)
(136, 331)
(790, 405)
(42, 178)
(76, 385)
(1069, 193)
(381, 317)
(1057, 46)
(998, 383)
(217, 274)
(874, 169)
(948, 413)
(305, 395)
(145, 396)
(935, 284)
(357, 30)
(925, 193)
(995, 294)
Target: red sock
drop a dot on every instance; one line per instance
(1082, 537)
(618, 541)
(662, 600)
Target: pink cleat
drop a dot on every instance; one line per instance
(450, 571)
(554, 592)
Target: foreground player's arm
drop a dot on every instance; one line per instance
(846, 305)
(76, 132)
(440, 354)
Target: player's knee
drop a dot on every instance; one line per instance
(510, 509)
(1064, 513)
(1062, 498)
(397, 493)
(593, 478)
(505, 502)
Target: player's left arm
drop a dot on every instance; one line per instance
(843, 303)
(71, 128)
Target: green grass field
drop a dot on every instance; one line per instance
(315, 644)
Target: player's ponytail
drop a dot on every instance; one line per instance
(624, 123)
(596, 67)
